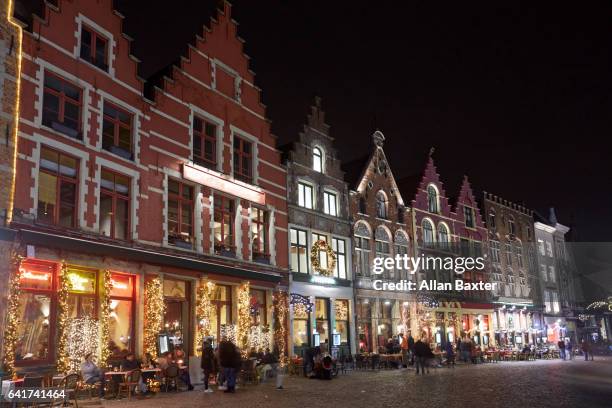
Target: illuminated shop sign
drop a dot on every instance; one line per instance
(217, 182)
(323, 280)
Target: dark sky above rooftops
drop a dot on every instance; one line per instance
(515, 95)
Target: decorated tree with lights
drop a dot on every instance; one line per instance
(154, 311)
(105, 312)
(12, 310)
(281, 314)
(244, 318)
(204, 311)
(63, 359)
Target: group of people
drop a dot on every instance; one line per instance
(416, 353)
(318, 363)
(566, 350)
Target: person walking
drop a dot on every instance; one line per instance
(228, 353)
(404, 347)
(561, 345)
(421, 352)
(207, 364)
(411, 347)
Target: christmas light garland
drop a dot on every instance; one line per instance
(83, 339)
(204, 312)
(105, 312)
(13, 321)
(244, 318)
(63, 362)
(155, 308)
(315, 251)
(281, 313)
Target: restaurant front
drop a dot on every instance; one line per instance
(516, 324)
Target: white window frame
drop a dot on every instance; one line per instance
(321, 159)
(327, 201)
(302, 194)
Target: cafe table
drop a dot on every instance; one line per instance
(8, 385)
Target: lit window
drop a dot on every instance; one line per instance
(330, 203)
(94, 48)
(299, 251)
(432, 199)
(204, 143)
(243, 160)
(224, 225)
(259, 232)
(114, 205)
(57, 189)
(541, 247)
(180, 214)
(323, 260)
(317, 160)
(338, 245)
(62, 106)
(305, 195)
(117, 131)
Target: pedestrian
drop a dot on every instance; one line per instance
(411, 347)
(421, 353)
(450, 354)
(208, 364)
(561, 345)
(586, 349)
(229, 358)
(404, 347)
(569, 349)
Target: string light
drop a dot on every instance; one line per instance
(228, 331)
(154, 310)
(281, 313)
(204, 312)
(244, 318)
(83, 340)
(301, 302)
(315, 253)
(63, 363)
(260, 338)
(13, 321)
(105, 316)
(341, 310)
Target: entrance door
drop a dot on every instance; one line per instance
(177, 322)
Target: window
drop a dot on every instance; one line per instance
(508, 254)
(401, 249)
(36, 305)
(541, 247)
(383, 249)
(432, 199)
(551, 273)
(94, 48)
(338, 245)
(381, 205)
(342, 319)
(222, 309)
(299, 251)
(443, 239)
(259, 233)
(511, 226)
(224, 224)
(428, 234)
(301, 320)
(317, 160)
(323, 261)
(62, 106)
(322, 315)
(468, 213)
(180, 214)
(114, 205)
(492, 225)
(330, 203)
(243, 160)
(57, 188)
(549, 250)
(519, 255)
(258, 307)
(121, 326)
(495, 251)
(547, 301)
(544, 272)
(555, 302)
(305, 195)
(82, 295)
(204, 143)
(117, 131)
(362, 250)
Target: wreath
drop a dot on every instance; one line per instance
(316, 249)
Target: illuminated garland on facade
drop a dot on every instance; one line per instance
(204, 312)
(315, 252)
(10, 331)
(244, 318)
(83, 339)
(63, 362)
(105, 311)
(228, 332)
(281, 313)
(601, 304)
(154, 310)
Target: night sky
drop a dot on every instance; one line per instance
(516, 96)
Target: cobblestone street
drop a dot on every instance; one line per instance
(519, 384)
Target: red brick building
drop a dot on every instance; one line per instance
(185, 184)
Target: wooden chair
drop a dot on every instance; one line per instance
(70, 385)
(171, 377)
(131, 381)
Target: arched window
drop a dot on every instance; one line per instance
(432, 199)
(317, 159)
(443, 238)
(428, 234)
(362, 248)
(381, 205)
(401, 249)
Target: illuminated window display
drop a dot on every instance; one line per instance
(122, 312)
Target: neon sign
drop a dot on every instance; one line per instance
(118, 285)
(35, 276)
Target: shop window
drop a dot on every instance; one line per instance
(224, 225)
(57, 188)
(114, 205)
(117, 131)
(35, 331)
(299, 251)
(259, 233)
(258, 307)
(62, 106)
(222, 309)
(364, 324)
(322, 317)
(121, 326)
(342, 320)
(94, 48)
(300, 326)
(243, 160)
(180, 214)
(82, 294)
(204, 143)
(339, 247)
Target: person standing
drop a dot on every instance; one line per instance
(561, 345)
(207, 364)
(569, 349)
(404, 348)
(227, 358)
(421, 352)
(411, 347)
